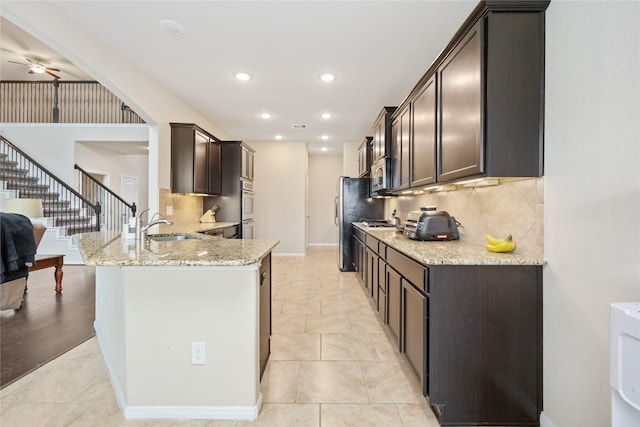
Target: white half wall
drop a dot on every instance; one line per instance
(592, 199)
(324, 171)
(280, 170)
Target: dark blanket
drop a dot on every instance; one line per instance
(18, 248)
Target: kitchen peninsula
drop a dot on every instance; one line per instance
(183, 325)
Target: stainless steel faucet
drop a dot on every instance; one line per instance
(141, 231)
(144, 230)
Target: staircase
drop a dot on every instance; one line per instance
(61, 219)
(59, 213)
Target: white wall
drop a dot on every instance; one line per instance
(157, 105)
(114, 165)
(324, 170)
(592, 207)
(280, 194)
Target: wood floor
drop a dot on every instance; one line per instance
(48, 324)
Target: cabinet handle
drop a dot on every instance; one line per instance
(263, 277)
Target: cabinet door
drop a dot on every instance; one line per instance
(358, 253)
(201, 164)
(396, 154)
(485, 344)
(372, 274)
(378, 137)
(230, 232)
(265, 311)
(247, 164)
(401, 144)
(215, 175)
(382, 290)
(250, 164)
(414, 331)
(423, 144)
(364, 157)
(394, 288)
(382, 134)
(460, 134)
(405, 137)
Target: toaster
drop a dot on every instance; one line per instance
(431, 225)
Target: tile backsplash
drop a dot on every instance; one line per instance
(514, 207)
(186, 208)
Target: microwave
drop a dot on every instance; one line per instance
(380, 179)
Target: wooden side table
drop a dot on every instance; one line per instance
(46, 261)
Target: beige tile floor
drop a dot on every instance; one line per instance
(331, 364)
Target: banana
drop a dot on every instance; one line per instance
(501, 245)
(492, 240)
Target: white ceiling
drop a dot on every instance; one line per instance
(377, 49)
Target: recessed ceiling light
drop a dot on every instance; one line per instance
(324, 137)
(279, 137)
(171, 27)
(327, 77)
(324, 149)
(265, 115)
(242, 76)
(326, 116)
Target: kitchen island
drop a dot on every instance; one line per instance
(155, 299)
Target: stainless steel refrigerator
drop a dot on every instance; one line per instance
(353, 204)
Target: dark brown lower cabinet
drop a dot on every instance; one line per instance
(372, 274)
(265, 312)
(485, 344)
(414, 331)
(394, 290)
(381, 305)
(471, 334)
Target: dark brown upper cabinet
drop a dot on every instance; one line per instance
(247, 171)
(382, 134)
(423, 147)
(364, 157)
(478, 110)
(400, 148)
(460, 110)
(195, 160)
(491, 95)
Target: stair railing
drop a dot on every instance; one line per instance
(62, 101)
(115, 210)
(68, 209)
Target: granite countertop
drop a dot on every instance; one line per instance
(110, 249)
(453, 252)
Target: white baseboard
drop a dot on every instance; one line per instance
(546, 421)
(236, 413)
(288, 254)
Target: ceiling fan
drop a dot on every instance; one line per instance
(36, 67)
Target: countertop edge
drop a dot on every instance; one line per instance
(468, 253)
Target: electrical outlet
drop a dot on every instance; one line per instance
(198, 353)
(169, 210)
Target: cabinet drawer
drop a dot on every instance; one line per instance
(414, 272)
(371, 242)
(382, 250)
(358, 234)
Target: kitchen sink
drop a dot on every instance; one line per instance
(173, 237)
